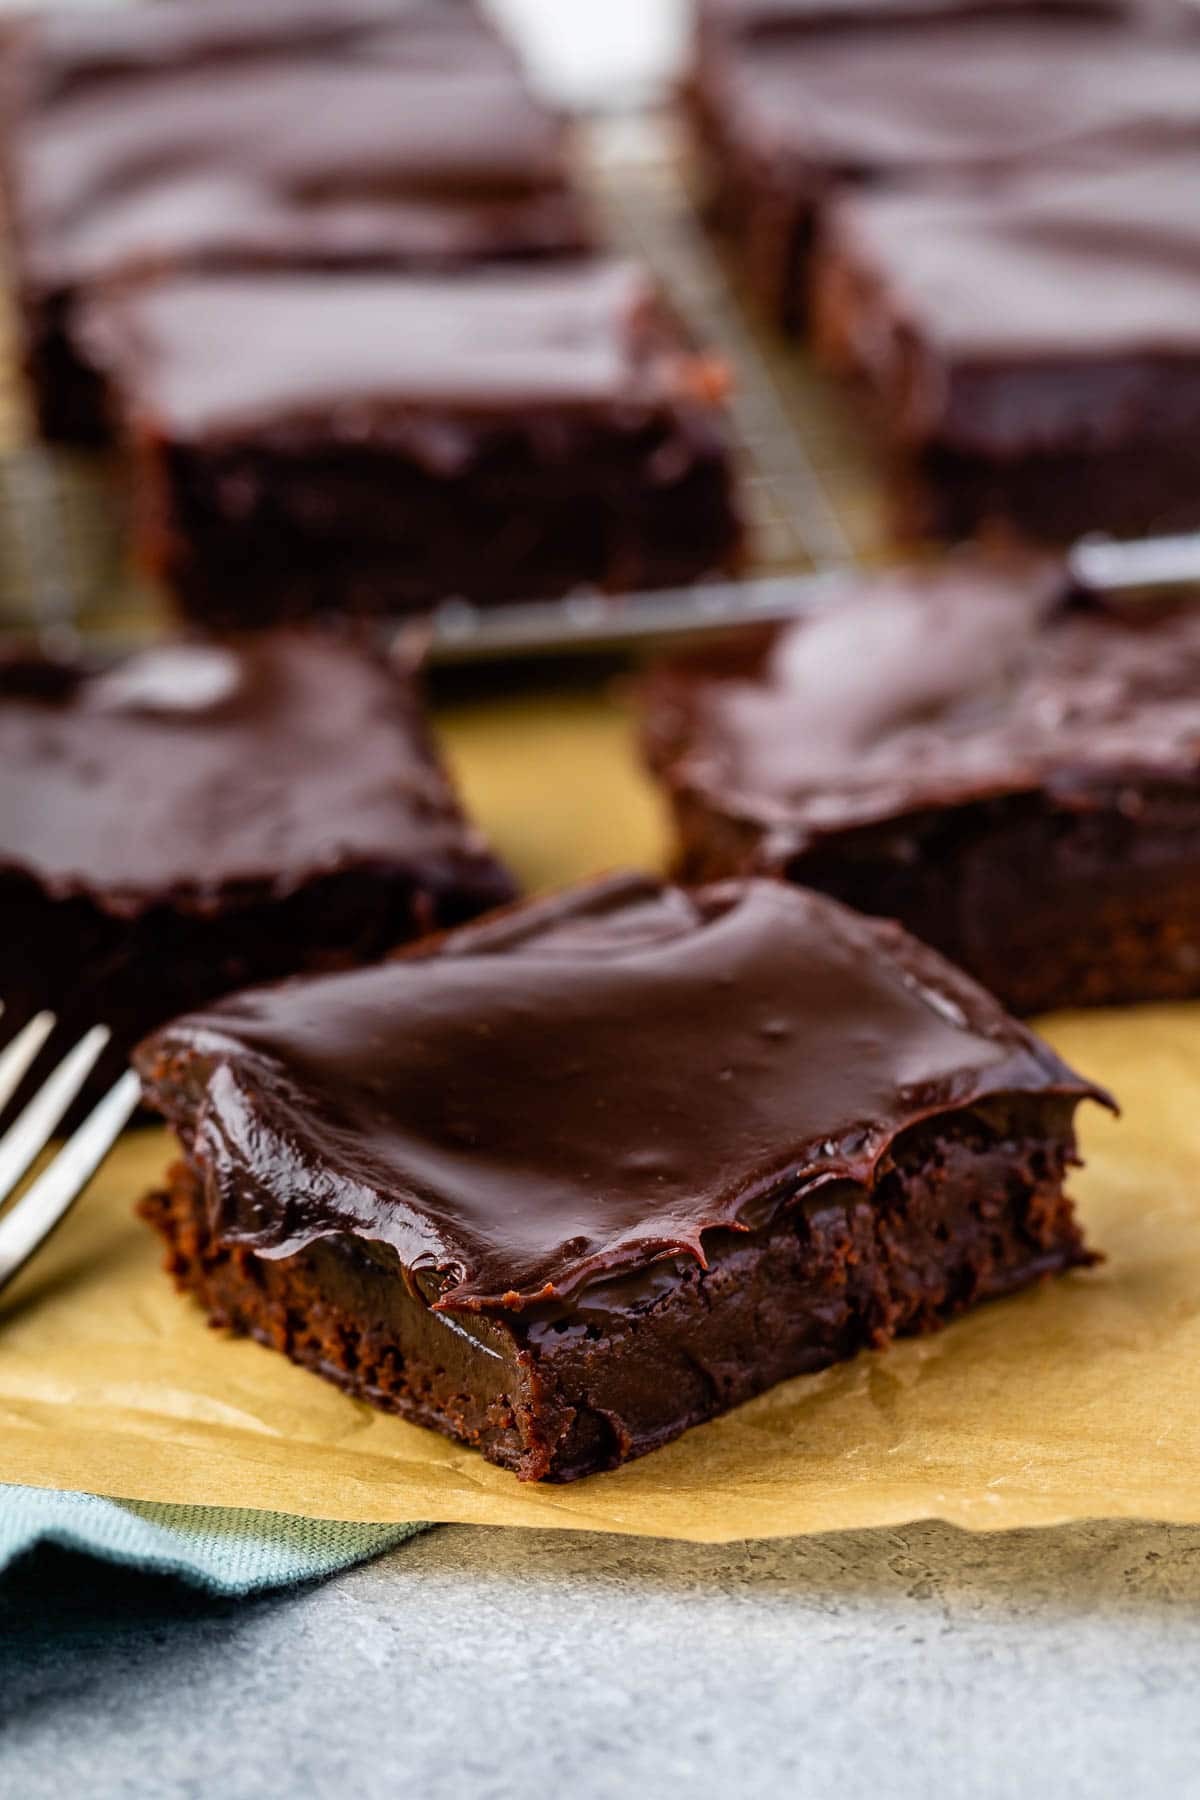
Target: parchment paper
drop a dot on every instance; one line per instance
(1081, 1399)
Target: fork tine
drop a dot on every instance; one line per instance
(29, 1223)
(15, 1060)
(28, 1136)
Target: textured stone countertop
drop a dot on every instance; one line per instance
(483, 1663)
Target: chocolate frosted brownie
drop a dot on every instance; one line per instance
(55, 50)
(567, 1182)
(1014, 778)
(1033, 351)
(313, 136)
(788, 118)
(383, 442)
(188, 818)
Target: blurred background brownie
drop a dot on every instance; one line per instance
(222, 136)
(1016, 779)
(717, 21)
(565, 1183)
(187, 818)
(1032, 352)
(383, 442)
(787, 118)
(59, 48)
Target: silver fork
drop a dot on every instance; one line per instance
(27, 1224)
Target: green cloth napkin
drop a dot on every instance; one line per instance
(223, 1550)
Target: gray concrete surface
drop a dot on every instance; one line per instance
(501, 1663)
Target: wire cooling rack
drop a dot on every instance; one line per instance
(809, 476)
(807, 484)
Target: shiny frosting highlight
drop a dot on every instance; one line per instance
(932, 690)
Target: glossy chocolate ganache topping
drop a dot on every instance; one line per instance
(192, 772)
(369, 353)
(959, 95)
(62, 47)
(931, 690)
(418, 147)
(1059, 266)
(583, 1085)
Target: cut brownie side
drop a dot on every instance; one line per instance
(311, 137)
(1146, 489)
(380, 443)
(566, 1183)
(787, 120)
(189, 818)
(642, 1358)
(1049, 907)
(1032, 352)
(1015, 779)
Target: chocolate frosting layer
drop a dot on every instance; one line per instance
(1065, 265)
(61, 47)
(583, 1085)
(932, 690)
(952, 96)
(203, 356)
(190, 771)
(415, 142)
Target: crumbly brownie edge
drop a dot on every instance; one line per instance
(989, 887)
(597, 515)
(993, 894)
(1006, 450)
(971, 1209)
(1137, 489)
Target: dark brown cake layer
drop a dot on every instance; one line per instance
(177, 822)
(1015, 779)
(568, 1182)
(788, 118)
(1031, 352)
(246, 136)
(383, 442)
(638, 1360)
